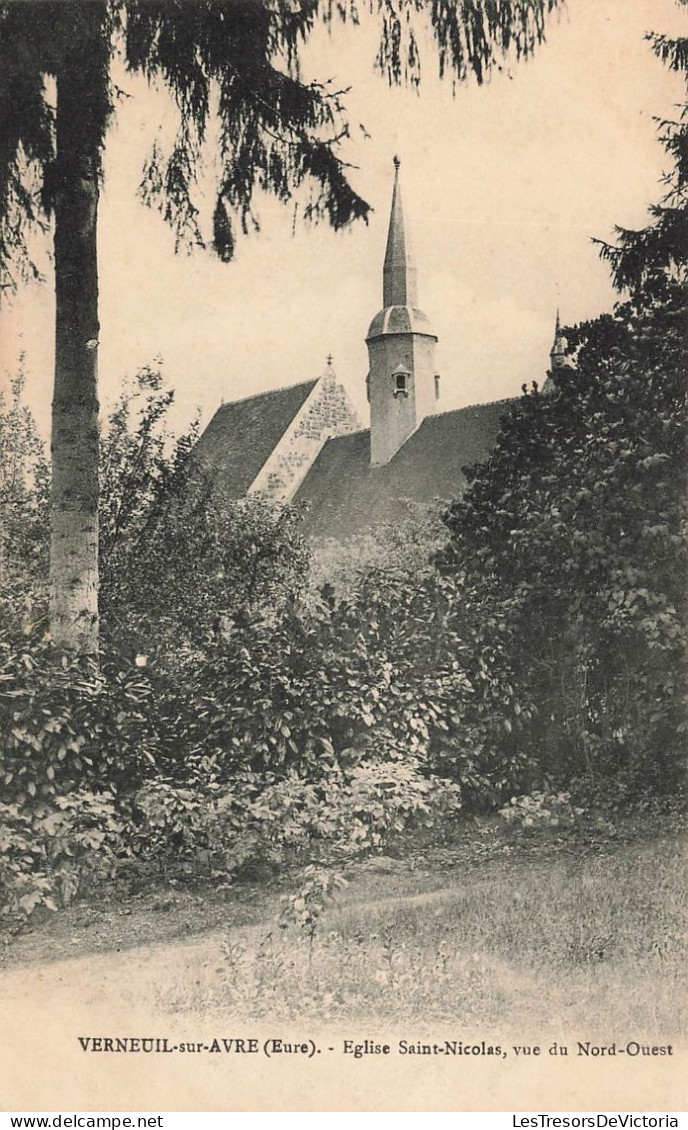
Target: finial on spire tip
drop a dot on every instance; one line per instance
(329, 359)
(397, 162)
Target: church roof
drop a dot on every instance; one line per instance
(345, 493)
(241, 435)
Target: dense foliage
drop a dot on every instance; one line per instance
(237, 720)
(222, 702)
(529, 654)
(576, 527)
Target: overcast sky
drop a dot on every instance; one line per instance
(503, 188)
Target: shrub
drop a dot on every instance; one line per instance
(68, 724)
(393, 673)
(199, 828)
(49, 853)
(355, 808)
(305, 908)
(263, 820)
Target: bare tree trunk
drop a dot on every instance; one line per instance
(74, 443)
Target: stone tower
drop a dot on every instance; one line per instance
(403, 386)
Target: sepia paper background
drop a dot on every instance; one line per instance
(45, 1069)
(503, 187)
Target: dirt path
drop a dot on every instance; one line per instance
(47, 1005)
(111, 960)
(112, 970)
(49, 1011)
(119, 921)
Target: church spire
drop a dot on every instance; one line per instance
(403, 386)
(399, 273)
(559, 361)
(557, 355)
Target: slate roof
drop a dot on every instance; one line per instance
(344, 493)
(400, 320)
(242, 435)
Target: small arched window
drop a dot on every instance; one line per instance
(437, 386)
(368, 387)
(401, 378)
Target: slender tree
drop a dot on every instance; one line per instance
(234, 62)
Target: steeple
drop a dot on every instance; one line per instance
(399, 287)
(557, 354)
(558, 358)
(403, 387)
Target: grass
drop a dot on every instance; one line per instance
(594, 944)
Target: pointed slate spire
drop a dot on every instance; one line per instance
(399, 273)
(402, 380)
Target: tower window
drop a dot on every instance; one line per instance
(368, 387)
(401, 381)
(437, 386)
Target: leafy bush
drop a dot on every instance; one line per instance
(200, 828)
(393, 673)
(48, 854)
(257, 820)
(68, 724)
(354, 808)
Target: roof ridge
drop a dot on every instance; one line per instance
(269, 392)
(465, 407)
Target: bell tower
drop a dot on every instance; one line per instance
(403, 386)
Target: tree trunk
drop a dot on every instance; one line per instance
(81, 98)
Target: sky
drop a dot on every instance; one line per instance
(503, 185)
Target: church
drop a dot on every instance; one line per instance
(306, 444)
